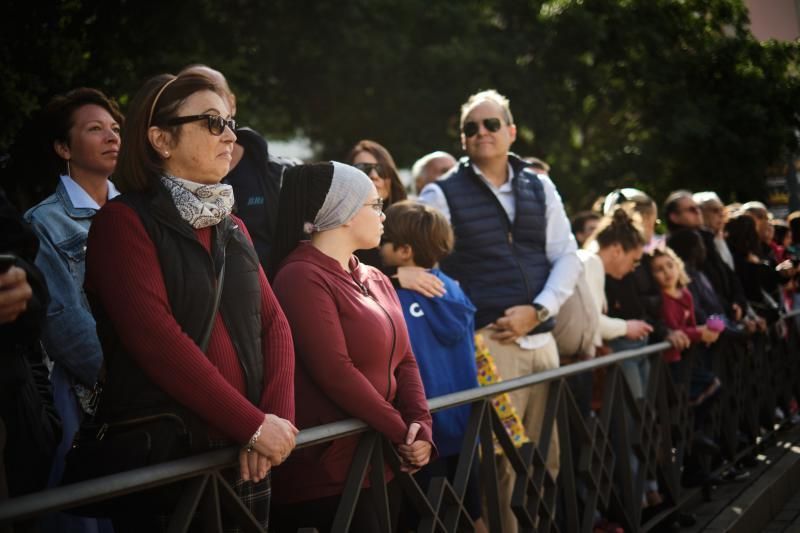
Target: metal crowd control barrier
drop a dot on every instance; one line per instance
(606, 457)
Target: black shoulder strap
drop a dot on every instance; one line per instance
(217, 296)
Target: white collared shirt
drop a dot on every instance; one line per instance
(724, 251)
(80, 198)
(560, 246)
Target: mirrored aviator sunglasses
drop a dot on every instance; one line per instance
(471, 128)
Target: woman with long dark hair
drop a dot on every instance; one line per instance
(378, 164)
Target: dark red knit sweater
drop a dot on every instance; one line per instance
(678, 313)
(354, 359)
(123, 272)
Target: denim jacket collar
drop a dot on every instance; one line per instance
(72, 211)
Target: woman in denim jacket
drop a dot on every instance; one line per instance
(85, 135)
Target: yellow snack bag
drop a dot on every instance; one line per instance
(487, 375)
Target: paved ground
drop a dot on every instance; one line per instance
(756, 498)
(788, 520)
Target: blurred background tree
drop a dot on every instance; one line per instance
(659, 94)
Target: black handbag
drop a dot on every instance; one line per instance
(102, 448)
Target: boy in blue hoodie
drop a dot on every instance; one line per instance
(441, 330)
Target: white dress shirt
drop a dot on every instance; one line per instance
(560, 247)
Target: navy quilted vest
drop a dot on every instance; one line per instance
(498, 263)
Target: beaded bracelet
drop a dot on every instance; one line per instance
(252, 444)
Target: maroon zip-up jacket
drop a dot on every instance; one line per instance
(354, 359)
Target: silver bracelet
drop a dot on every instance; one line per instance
(252, 444)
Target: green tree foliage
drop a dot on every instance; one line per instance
(658, 94)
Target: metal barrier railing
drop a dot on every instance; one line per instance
(597, 475)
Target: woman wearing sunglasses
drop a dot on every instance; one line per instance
(354, 357)
(377, 163)
(220, 360)
(84, 137)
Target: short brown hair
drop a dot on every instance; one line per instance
(59, 117)
(423, 228)
(140, 166)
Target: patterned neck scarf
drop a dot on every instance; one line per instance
(200, 205)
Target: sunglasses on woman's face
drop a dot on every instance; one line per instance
(367, 168)
(471, 128)
(216, 123)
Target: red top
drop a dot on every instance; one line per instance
(125, 274)
(678, 313)
(354, 359)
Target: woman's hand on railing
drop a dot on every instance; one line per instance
(678, 339)
(637, 329)
(253, 466)
(414, 453)
(276, 440)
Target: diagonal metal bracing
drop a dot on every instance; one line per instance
(597, 452)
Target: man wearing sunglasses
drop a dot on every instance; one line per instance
(682, 212)
(514, 256)
(255, 174)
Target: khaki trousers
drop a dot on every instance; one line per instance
(530, 402)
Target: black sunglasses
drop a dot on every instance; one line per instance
(216, 124)
(367, 168)
(471, 128)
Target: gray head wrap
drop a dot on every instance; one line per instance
(350, 189)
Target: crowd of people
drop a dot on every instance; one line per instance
(184, 289)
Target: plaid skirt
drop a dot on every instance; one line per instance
(254, 496)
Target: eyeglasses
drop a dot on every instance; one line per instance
(471, 128)
(377, 205)
(216, 124)
(367, 168)
(692, 208)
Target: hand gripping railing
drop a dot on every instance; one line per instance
(605, 458)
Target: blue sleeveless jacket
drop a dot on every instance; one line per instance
(499, 263)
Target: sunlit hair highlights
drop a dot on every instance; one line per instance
(622, 227)
(666, 251)
(490, 95)
(423, 228)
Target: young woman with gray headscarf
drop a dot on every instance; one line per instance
(354, 358)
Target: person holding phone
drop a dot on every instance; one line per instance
(14, 289)
(29, 426)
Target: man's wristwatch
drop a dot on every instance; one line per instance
(542, 314)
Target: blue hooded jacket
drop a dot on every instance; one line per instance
(441, 332)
